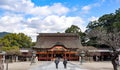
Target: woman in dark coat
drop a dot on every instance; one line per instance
(56, 63)
(65, 63)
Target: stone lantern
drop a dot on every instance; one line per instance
(33, 57)
(82, 54)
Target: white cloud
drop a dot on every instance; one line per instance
(86, 8)
(56, 8)
(9, 20)
(16, 5)
(11, 23)
(43, 18)
(54, 23)
(93, 18)
(31, 26)
(16, 24)
(27, 7)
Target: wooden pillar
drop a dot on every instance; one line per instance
(39, 56)
(65, 55)
(47, 55)
(69, 56)
(52, 55)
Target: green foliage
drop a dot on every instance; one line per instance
(93, 24)
(33, 43)
(77, 30)
(11, 43)
(11, 50)
(21, 40)
(74, 29)
(108, 22)
(24, 41)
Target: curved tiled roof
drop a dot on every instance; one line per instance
(48, 40)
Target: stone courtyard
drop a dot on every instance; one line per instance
(49, 65)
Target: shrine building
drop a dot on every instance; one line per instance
(57, 45)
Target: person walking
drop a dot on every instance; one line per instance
(65, 63)
(56, 62)
(1, 65)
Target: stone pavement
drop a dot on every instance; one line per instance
(51, 66)
(96, 65)
(73, 65)
(18, 66)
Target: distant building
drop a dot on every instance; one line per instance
(96, 54)
(25, 54)
(57, 45)
(1, 53)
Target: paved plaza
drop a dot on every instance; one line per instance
(50, 65)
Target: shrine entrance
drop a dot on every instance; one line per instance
(58, 55)
(58, 52)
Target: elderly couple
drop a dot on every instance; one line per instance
(57, 62)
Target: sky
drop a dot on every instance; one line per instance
(51, 16)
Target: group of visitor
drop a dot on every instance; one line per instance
(57, 60)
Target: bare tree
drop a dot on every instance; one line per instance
(111, 39)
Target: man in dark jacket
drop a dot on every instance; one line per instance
(65, 63)
(56, 62)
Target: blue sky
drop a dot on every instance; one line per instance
(51, 16)
(102, 6)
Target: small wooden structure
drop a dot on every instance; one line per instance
(1, 55)
(96, 54)
(25, 54)
(57, 45)
(1, 60)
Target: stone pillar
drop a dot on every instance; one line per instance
(80, 58)
(16, 58)
(3, 58)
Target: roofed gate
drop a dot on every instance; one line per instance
(61, 45)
